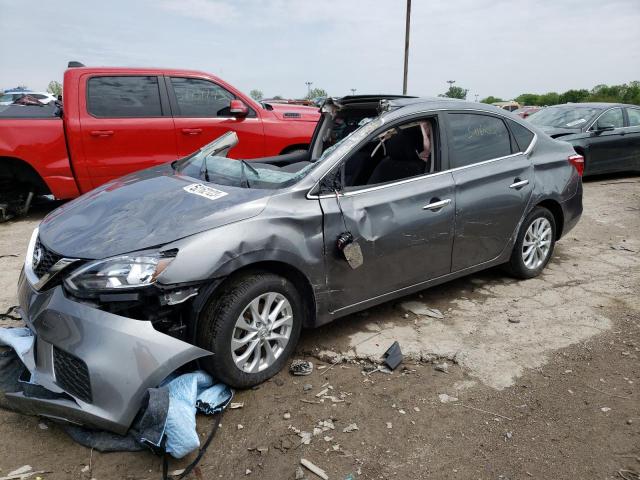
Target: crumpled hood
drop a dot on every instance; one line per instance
(142, 210)
(555, 132)
(298, 113)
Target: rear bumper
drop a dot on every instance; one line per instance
(572, 210)
(100, 364)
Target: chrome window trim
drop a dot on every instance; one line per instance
(533, 142)
(588, 129)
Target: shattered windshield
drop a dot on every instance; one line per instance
(240, 173)
(214, 167)
(563, 117)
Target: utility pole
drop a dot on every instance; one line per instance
(353, 91)
(308, 84)
(451, 82)
(406, 48)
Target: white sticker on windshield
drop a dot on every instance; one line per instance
(204, 191)
(576, 122)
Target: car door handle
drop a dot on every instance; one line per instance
(437, 205)
(101, 133)
(519, 183)
(192, 131)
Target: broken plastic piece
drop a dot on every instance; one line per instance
(301, 367)
(393, 356)
(314, 468)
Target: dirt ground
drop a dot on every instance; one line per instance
(542, 378)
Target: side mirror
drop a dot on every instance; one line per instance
(238, 108)
(604, 127)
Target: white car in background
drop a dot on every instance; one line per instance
(11, 96)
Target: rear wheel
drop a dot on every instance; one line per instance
(534, 245)
(252, 327)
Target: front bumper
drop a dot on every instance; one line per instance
(100, 364)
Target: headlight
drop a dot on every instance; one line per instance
(122, 272)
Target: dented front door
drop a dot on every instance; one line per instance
(405, 232)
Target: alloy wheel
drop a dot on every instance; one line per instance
(262, 332)
(537, 243)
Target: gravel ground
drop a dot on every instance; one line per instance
(541, 380)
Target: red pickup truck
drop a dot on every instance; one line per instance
(114, 121)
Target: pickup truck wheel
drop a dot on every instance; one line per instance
(252, 327)
(534, 245)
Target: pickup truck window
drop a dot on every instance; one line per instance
(124, 96)
(199, 98)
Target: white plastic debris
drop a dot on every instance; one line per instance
(21, 471)
(444, 398)
(350, 428)
(314, 469)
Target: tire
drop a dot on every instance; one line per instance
(220, 323)
(529, 263)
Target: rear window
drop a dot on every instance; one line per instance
(523, 135)
(634, 117)
(476, 138)
(124, 97)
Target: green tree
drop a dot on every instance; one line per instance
(277, 97)
(455, 92)
(316, 92)
(574, 96)
(549, 98)
(528, 99)
(54, 88)
(256, 94)
(491, 99)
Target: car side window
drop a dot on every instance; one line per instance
(126, 96)
(634, 117)
(199, 98)
(522, 135)
(475, 138)
(612, 117)
(407, 150)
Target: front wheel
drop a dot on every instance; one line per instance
(252, 327)
(534, 245)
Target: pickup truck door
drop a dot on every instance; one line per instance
(201, 114)
(125, 126)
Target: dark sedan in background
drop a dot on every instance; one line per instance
(607, 135)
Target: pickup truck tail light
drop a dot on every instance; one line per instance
(578, 163)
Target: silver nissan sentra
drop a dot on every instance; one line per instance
(223, 261)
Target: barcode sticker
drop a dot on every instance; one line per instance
(204, 191)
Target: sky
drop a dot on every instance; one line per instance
(491, 47)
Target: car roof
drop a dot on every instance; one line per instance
(439, 103)
(592, 105)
